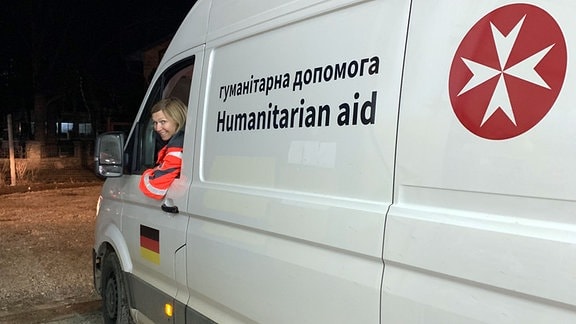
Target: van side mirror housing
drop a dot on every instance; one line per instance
(108, 154)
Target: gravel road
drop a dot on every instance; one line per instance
(46, 241)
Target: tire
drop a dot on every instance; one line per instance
(115, 308)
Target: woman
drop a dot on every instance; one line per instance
(169, 118)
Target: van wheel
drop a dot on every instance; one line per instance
(114, 299)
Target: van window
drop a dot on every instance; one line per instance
(144, 143)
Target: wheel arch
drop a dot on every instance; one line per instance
(113, 240)
(110, 240)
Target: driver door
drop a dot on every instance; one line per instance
(155, 230)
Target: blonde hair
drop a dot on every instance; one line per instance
(174, 109)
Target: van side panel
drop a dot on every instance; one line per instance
(484, 229)
(296, 163)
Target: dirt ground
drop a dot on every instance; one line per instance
(46, 241)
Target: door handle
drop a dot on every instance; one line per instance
(170, 209)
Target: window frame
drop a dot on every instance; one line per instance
(143, 139)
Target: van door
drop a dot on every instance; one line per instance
(155, 230)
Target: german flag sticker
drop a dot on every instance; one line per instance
(150, 244)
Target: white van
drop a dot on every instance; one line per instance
(347, 161)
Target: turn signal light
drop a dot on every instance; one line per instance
(168, 310)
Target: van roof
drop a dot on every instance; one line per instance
(210, 20)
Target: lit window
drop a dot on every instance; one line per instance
(66, 127)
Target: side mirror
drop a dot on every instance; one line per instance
(108, 154)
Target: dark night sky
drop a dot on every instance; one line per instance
(52, 46)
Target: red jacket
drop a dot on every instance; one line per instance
(156, 181)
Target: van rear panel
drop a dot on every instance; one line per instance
(482, 228)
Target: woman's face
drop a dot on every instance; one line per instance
(164, 125)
